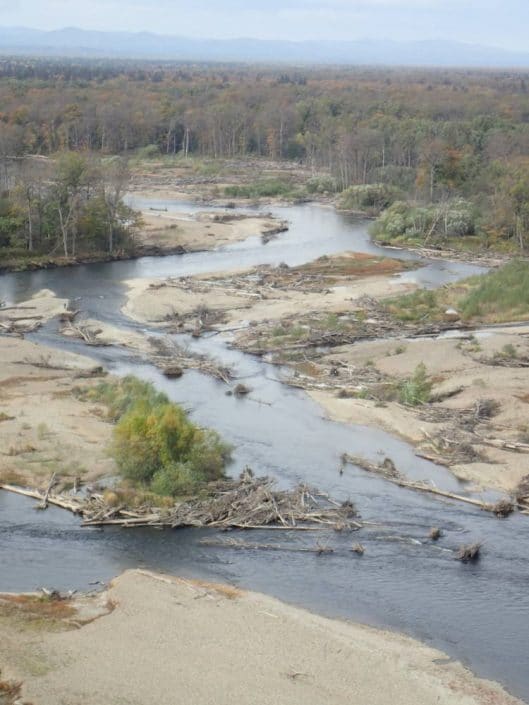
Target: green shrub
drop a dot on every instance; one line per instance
(159, 444)
(417, 389)
(372, 198)
(321, 184)
(406, 221)
(177, 479)
(155, 445)
(150, 151)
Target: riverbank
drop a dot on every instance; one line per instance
(165, 234)
(44, 428)
(215, 643)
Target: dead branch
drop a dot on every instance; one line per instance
(246, 503)
(469, 553)
(389, 472)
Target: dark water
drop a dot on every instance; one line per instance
(477, 613)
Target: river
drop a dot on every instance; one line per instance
(477, 613)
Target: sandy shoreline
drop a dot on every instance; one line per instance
(205, 231)
(44, 428)
(219, 645)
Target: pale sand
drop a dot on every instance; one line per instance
(451, 368)
(43, 427)
(44, 305)
(170, 640)
(153, 305)
(202, 232)
(108, 334)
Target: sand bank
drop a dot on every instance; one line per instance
(169, 640)
(43, 427)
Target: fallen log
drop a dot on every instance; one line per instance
(72, 505)
(51, 483)
(501, 509)
(240, 544)
(514, 446)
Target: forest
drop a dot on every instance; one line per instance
(440, 154)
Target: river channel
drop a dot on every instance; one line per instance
(477, 613)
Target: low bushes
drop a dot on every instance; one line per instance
(321, 184)
(155, 445)
(406, 222)
(369, 198)
(265, 188)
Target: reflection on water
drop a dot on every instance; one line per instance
(478, 613)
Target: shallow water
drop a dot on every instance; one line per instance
(477, 613)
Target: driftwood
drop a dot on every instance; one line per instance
(64, 502)
(514, 446)
(246, 503)
(387, 470)
(20, 326)
(318, 548)
(469, 553)
(86, 333)
(68, 316)
(17, 308)
(45, 499)
(43, 362)
(170, 357)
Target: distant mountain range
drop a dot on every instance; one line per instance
(71, 41)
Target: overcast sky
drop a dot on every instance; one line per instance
(502, 23)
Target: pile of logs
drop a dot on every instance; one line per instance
(245, 503)
(86, 333)
(18, 322)
(172, 359)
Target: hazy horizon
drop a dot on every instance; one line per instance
(481, 22)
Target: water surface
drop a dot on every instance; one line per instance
(477, 613)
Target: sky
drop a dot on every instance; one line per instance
(502, 23)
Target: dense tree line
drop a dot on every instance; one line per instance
(433, 135)
(65, 207)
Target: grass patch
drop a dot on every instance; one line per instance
(335, 268)
(263, 188)
(417, 389)
(499, 296)
(119, 396)
(421, 305)
(496, 297)
(37, 613)
(11, 477)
